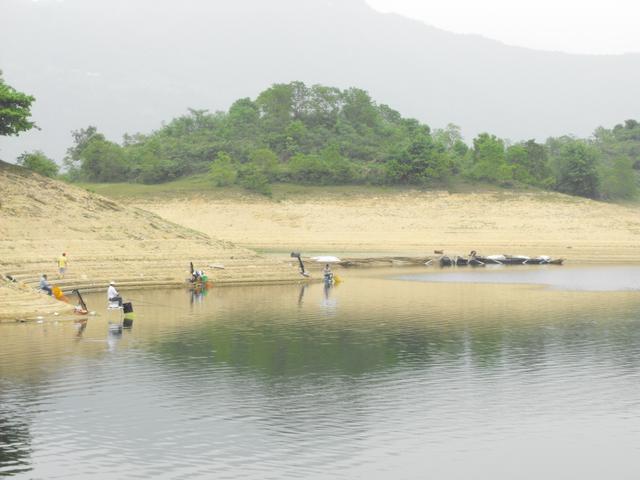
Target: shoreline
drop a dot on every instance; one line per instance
(104, 241)
(150, 244)
(416, 224)
(46, 309)
(37, 306)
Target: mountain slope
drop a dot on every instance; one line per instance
(127, 66)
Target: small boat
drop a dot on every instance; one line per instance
(480, 261)
(519, 260)
(446, 261)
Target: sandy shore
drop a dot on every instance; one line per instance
(417, 223)
(104, 240)
(148, 242)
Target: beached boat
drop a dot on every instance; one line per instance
(479, 261)
(446, 261)
(519, 260)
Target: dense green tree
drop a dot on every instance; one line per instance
(39, 163)
(254, 179)
(422, 161)
(529, 163)
(619, 180)
(359, 109)
(73, 159)
(94, 158)
(489, 160)
(15, 110)
(103, 161)
(276, 107)
(621, 141)
(223, 171)
(577, 164)
(325, 104)
(323, 135)
(451, 138)
(265, 161)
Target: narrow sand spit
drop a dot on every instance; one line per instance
(40, 218)
(580, 230)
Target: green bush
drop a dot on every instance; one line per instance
(253, 178)
(39, 163)
(223, 171)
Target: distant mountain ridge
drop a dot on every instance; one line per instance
(127, 66)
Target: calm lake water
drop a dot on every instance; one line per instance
(436, 374)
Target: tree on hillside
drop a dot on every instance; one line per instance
(359, 109)
(103, 161)
(324, 104)
(489, 161)
(73, 158)
(621, 141)
(619, 180)
(96, 159)
(15, 110)
(275, 106)
(529, 162)
(323, 135)
(39, 163)
(577, 169)
(223, 171)
(451, 138)
(266, 161)
(420, 162)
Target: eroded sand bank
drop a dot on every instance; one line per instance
(104, 240)
(580, 230)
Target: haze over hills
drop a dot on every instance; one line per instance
(126, 66)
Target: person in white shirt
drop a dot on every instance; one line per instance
(113, 296)
(328, 274)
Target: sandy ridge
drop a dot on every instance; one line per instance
(417, 223)
(105, 240)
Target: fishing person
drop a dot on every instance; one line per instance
(62, 265)
(45, 286)
(328, 274)
(114, 298)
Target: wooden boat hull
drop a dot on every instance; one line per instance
(460, 262)
(521, 261)
(446, 261)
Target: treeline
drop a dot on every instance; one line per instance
(322, 135)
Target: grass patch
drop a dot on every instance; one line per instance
(202, 186)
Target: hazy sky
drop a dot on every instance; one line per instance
(575, 26)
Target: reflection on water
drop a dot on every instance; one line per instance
(374, 378)
(15, 441)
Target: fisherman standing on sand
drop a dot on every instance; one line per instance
(62, 265)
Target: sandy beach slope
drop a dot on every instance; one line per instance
(414, 222)
(105, 240)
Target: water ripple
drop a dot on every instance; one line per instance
(265, 382)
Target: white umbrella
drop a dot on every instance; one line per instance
(326, 259)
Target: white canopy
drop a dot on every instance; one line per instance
(326, 259)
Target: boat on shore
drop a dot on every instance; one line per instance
(480, 261)
(519, 260)
(447, 261)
